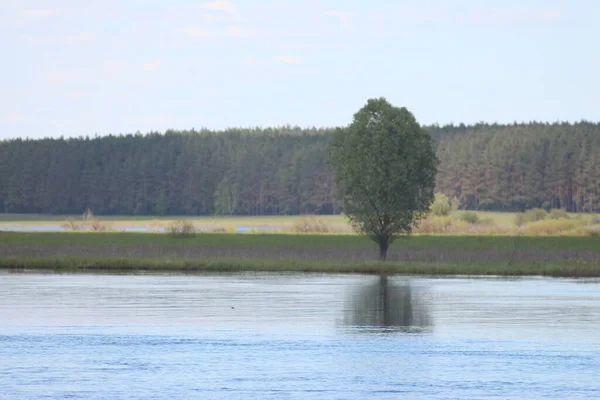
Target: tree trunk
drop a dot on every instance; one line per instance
(383, 248)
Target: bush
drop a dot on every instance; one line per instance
(469, 217)
(181, 229)
(434, 225)
(553, 227)
(441, 225)
(441, 206)
(88, 222)
(558, 213)
(72, 225)
(535, 214)
(310, 224)
(98, 226)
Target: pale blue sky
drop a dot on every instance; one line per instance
(119, 66)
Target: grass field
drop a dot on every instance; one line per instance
(465, 255)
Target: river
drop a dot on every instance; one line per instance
(296, 336)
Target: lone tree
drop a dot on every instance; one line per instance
(385, 167)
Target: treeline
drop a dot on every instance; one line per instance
(284, 171)
(517, 167)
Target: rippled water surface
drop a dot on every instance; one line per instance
(269, 336)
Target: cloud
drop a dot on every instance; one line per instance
(151, 66)
(250, 61)
(286, 59)
(344, 17)
(12, 118)
(41, 12)
(221, 5)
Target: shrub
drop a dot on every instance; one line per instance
(552, 227)
(594, 234)
(441, 225)
(487, 221)
(469, 217)
(535, 214)
(441, 205)
(454, 203)
(181, 229)
(310, 224)
(98, 226)
(434, 225)
(72, 225)
(558, 213)
(88, 222)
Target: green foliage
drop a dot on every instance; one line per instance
(226, 197)
(181, 229)
(161, 207)
(283, 170)
(441, 205)
(558, 214)
(468, 217)
(536, 214)
(385, 168)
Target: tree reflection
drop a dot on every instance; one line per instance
(385, 305)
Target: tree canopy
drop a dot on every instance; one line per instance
(384, 166)
(283, 170)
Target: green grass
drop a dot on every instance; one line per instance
(577, 269)
(298, 240)
(426, 255)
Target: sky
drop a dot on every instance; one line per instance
(92, 67)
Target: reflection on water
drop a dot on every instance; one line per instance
(300, 336)
(390, 304)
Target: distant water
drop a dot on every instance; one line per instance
(32, 228)
(60, 228)
(296, 336)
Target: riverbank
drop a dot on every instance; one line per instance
(427, 255)
(577, 269)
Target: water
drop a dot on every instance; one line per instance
(140, 229)
(295, 336)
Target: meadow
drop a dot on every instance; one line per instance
(420, 254)
(481, 243)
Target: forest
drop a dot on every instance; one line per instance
(284, 170)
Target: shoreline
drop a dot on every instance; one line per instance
(64, 264)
